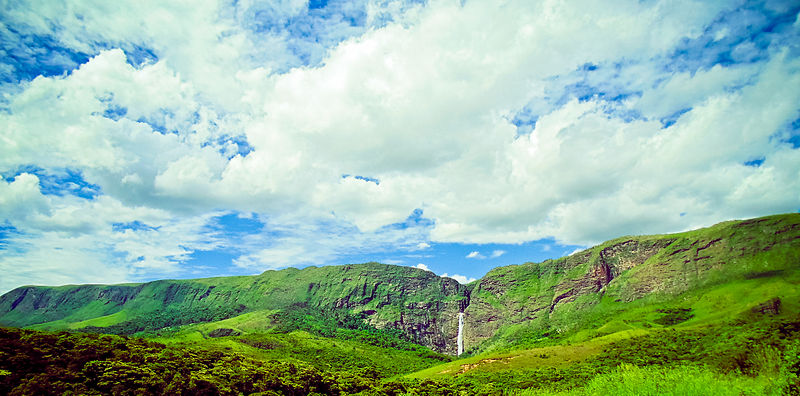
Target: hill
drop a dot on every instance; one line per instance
(513, 305)
(712, 310)
(417, 303)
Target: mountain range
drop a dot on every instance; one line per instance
(549, 297)
(733, 272)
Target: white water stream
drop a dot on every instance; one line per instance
(460, 333)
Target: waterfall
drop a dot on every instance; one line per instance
(460, 333)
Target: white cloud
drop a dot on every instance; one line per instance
(21, 198)
(475, 255)
(423, 246)
(460, 278)
(422, 267)
(497, 253)
(423, 106)
(580, 249)
(320, 243)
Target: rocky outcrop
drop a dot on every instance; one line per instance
(223, 332)
(771, 307)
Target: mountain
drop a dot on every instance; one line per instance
(642, 274)
(651, 279)
(420, 304)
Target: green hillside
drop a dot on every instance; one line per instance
(510, 306)
(44, 363)
(417, 303)
(712, 310)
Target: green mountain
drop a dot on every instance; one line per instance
(711, 310)
(509, 305)
(640, 282)
(417, 303)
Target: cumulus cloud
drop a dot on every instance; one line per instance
(422, 267)
(497, 253)
(475, 255)
(460, 278)
(409, 125)
(423, 246)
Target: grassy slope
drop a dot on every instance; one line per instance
(259, 335)
(720, 304)
(384, 292)
(713, 307)
(324, 353)
(745, 263)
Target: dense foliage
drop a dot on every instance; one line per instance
(743, 358)
(57, 363)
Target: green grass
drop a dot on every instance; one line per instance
(102, 321)
(328, 354)
(751, 358)
(525, 359)
(630, 380)
(327, 341)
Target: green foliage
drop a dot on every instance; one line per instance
(759, 357)
(674, 316)
(170, 317)
(340, 324)
(790, 368)
(332, 354)
(58, 363)
(656, 381)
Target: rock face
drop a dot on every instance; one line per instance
(546, 297)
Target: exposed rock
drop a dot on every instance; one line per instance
(222, 332)
(771, 307)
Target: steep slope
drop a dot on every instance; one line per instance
(418, 303)
(537, 300)
(509, 306)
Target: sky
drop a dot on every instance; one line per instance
(142, 140)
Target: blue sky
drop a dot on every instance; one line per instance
(144, 140)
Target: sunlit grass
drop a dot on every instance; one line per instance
(663, 381)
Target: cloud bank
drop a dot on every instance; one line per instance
(138, 135)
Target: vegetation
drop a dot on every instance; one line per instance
(57, 363)
(342, 325)
(152, 321)
(330, 341)
(715, 310)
